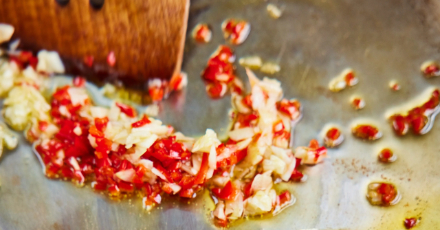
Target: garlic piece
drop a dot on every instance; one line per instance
(6, 32)
(274, 11)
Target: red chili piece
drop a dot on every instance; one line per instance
(111, 59)
(128, 110)
(216, 90)
(386, 155)
(416, 118)
(235, 30)
(219, 72)
(289, 107)
(366, 132)
(285, 198)
(202, 33)
(79, 81)
(157, 90)
(333, 134)
(297, 175)
(42, 125)
(229, 192)
(410, 222)
(388, 193)
(358, 103)
(350, 79)
(333, 137)
(246, 120)
(235, 157)
(431, 70)
(141, 122)
(89, 60)
(24, 59)
(201, 175)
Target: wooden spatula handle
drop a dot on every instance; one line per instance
(147, 36)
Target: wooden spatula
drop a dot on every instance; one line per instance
(146, 36)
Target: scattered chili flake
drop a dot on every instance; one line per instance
(224, 54)
(246, 120)
(237, 86)
(290, 107)
(387, 156)
(333, 137)
(430, 69)
(157, 89)
(221, 223)
(366, 132)
(111, 59)
(278, 128)
(128, 110)
(24, 59)
(219, 73)
(220, 66)
(236, 31)
(394, 85)
(101, 123)
(247, 100)
(285, 198)
(89, 60)
(345, 79)
(419, 118)
(382, 194)
(42, 125)
(201, 175)
(399, 124)
(216, 90)
(99, 186)
(201, 33)
(358, 103)
(311, 155)
(410, 222)
(296, 176)
(79, 81)
(178, 81)
(350, 78)
(229, 192)
(141, 122)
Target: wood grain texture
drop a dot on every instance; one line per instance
(147, 36)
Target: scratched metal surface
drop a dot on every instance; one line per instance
(313, 41)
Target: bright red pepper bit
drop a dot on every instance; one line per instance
(366, 132)
(89, 60)
(111, 59)
(410, 222)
